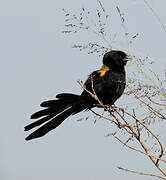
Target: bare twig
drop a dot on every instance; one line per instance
(146, 149)
(141, 173)
(128, 127)
(135, 149)
(160, 104)
(151, 108)
(102, 7)
(156, 15)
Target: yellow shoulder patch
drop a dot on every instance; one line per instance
(103, 70)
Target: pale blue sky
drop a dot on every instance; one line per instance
(36, 63)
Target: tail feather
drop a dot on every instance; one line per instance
(48, 114)
(38, 122)
(41, 113)
(49, 111)
(56, 112)
(52, 124)
(67, 96)
(56, 106)
(62, 99)
(52, 103)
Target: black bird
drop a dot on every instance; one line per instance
(108, 84)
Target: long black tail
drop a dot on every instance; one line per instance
(56, 112)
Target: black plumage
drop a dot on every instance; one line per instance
(108, 84)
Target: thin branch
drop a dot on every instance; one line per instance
(160, 104)
(102, 7)
(151, 108)
(135, 149)
(104, 117)
(156, 15)
(132, 131)
(141, 173)
(145, 148)
(123, 26)
(119, 125)
(128, 124)
(96, 97)
(84, 87)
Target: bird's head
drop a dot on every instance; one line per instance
(117, 59)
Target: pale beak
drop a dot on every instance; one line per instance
(128, 58)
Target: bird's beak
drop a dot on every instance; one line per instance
(128, 58)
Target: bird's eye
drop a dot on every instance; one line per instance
(122, 54)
